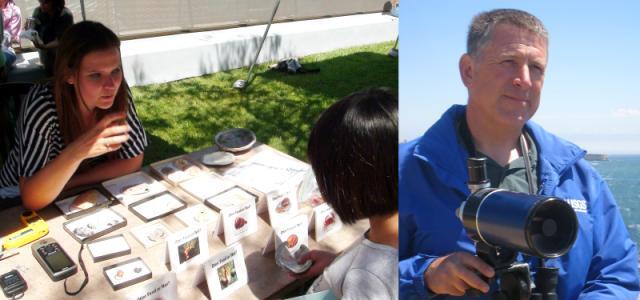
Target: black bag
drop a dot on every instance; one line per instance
(292, 66)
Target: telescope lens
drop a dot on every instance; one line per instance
(549, 227)
(553, 228)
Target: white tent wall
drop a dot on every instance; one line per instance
(130, 19)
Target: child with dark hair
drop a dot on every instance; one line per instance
(51, 19)
(353, 150)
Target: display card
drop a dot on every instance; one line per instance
(226, 272)
(238, 221)
(324, 221)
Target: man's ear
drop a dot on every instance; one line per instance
(466, 69)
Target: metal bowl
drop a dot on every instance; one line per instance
(235, 139)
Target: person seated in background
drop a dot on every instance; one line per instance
(80, 128)
(353, 153)
(51, 19)
(3, 58)
(11, 21)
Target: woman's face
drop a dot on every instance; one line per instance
(98, 79)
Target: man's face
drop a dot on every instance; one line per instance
(505, 78)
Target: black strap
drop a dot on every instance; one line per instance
(465, 135)
(84, 270)
(527, 162)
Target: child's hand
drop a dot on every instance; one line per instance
(320, 259)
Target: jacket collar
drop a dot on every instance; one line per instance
(439, 148)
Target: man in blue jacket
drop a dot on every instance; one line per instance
(503, 71)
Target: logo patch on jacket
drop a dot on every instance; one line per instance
(578, 205)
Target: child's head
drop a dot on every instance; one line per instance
(353, 150)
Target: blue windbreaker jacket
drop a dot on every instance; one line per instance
(602, 264)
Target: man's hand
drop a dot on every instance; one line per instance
(320, 259)
(106, 136)
(455, 273)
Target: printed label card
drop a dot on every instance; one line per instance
(186, 247)
(238, 221)
(294, 233)
(282, 206)
(206, 186)
(164, 287)
(226, 272)
(133, 187)
(175, 170)
(200, 215)
(324, 221)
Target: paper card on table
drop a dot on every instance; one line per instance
(294, 232)
(133, 187)
(268, 171)
(175, 170)
(230, 197)
(226, 272)
(282, 206)
(238, 221)
(324, 221)
(206, 186)
(187, 247)
(152, 233)
(164, 287)
(199, 215)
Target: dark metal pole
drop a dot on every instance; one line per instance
(84, 14)
(239, 84)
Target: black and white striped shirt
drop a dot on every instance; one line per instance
(39, 140)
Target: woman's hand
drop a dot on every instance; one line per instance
(320, 259)
(106, 136)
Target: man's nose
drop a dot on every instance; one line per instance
(522, 79)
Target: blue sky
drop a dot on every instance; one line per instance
(591, 94)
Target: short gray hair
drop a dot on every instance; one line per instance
(483, 24)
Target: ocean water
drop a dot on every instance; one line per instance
(622, 174)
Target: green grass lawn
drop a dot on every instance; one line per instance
(183, 116)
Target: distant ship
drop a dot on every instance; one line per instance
(596, 157)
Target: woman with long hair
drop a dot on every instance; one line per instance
(80, 128)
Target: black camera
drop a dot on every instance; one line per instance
(503, 223)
